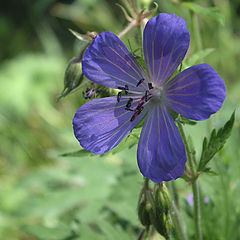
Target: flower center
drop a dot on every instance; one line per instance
(157, 94)
(153, 94)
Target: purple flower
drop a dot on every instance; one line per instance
(206, 200)
(190, 199)
(195, 93)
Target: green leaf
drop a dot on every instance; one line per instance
(211, 12)
(80, 153)
(45, 233)
(215, 143)
(197, 57)
(114, 232)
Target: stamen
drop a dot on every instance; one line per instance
(121, 88)
(140, 110)
(88, 93)
(126, 89)
(119, 96)
(134, 116)
(140, 81)
(146, 96)
(141, 102)
(150, 86)
(129, 103)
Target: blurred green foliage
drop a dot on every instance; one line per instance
(46, 196)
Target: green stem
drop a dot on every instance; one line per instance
(196, 31)
(195, 187)
(177, 219)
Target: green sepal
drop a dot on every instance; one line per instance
(73, 76)
(141, 61)
(197, 57)
(187, 121)
(144, 209)
(215, 143)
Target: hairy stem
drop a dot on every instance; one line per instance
(177, 219)
(196, 31)
(127, 29)
(195, 187)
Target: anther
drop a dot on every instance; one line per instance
(146, 96)
(140, 81)
(140, 110)
(134, 116)
(150, 86)
(129, 103)
(88, 93)
(126, 89)
(121, 88)
(119, 96)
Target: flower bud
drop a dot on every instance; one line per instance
(164, 225)
(167, 198)
(73, 76)
(144, 209)
(162, 199)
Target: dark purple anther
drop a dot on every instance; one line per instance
(88, 93)
(140, 110)
(150, 86)
(119, 96)
(121, 88)
(141, 102)
(134, 116)
(126, 89)
(146, 96)
(129, 103)
(141, 80)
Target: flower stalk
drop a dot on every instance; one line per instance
(195, 187)
(177, 219)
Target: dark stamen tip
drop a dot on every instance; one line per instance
(150, 86)
(119, 96)
(121, 88)
(129, 103)
(140, 81)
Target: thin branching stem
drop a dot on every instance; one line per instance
(195, 187)
(177, 219)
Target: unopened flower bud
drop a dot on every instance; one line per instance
(144, 209)
(73, 76)
(163, 199)
(167, 198)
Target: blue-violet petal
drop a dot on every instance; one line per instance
(108, 62)
(101, 124)
(196, 93)
(165, 43)
(161, 152)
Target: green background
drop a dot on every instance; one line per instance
(46, 196)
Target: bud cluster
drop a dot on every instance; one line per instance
(154, 209)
